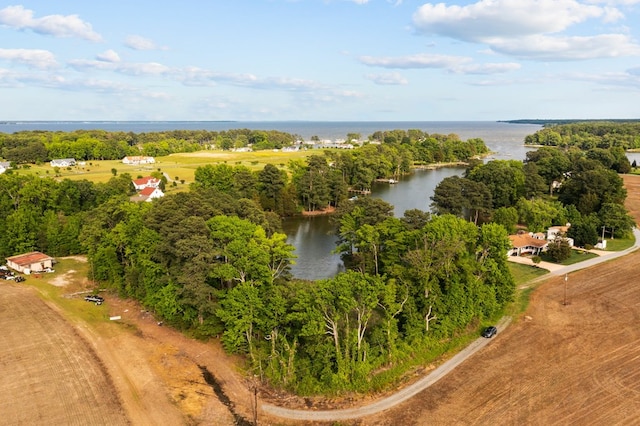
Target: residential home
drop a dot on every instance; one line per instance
(146, 182)
(555, 232)
(4, 166)
(30, 262)
(527, 243)
(138, 159)
(63, 162)
(148, 194)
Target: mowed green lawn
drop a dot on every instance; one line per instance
(179, 167)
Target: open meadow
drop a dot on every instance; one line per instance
(179, 167)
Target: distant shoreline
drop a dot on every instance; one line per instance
(544, 122)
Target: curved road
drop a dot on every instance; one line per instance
(417, 387)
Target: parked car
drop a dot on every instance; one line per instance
(20, 278)
(94, 298)
(489, 332)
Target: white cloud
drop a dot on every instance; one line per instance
(390, 79)
(55, 25)
(628, 79)
(137, 42)
(615, 2)
(502, 18)
(547, 48)
(415, 61)
(528, 29)
(108, 56)
(134, 68)
(36, 58)
(455, 64)
(489, 68)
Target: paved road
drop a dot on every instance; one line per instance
(604, 256)
(390, 401)
(417, 387)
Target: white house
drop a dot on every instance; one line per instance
(4, 166)
(559, 232)
(146, 182)
(138, 159)
(148, 194)
(63, 162)
(530, 243)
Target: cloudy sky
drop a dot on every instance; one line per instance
(337, 60)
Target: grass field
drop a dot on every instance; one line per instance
(179, 167)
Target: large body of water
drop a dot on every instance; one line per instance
(313, 236)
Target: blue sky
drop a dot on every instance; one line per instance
(336, 60)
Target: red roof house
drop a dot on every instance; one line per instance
(146, 182)
(30, 262)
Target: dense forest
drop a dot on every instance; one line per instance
(589, 134)
(213, 261)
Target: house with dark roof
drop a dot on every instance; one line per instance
(30, 262)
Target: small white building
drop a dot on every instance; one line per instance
(30, 262)
(4, 166)
(63, 162)
(138, 159)
(148, 194)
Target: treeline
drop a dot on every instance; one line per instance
(83, 145)
(589, 135)
(551, 187)
(47, 215)
(41, 146)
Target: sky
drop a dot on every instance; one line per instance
(319, 60)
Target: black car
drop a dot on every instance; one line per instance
(94, 298)
(489, 332)
(20, 278)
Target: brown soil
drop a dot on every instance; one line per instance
(558, 364)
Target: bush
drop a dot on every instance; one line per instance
(559, 250)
